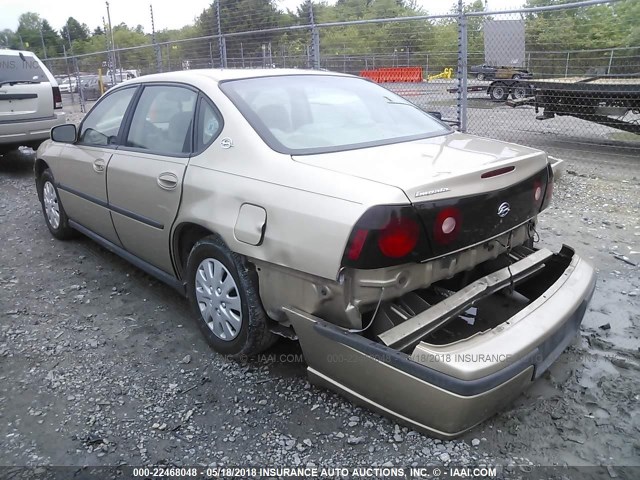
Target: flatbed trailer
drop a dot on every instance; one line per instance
(500, 90)
(610, 101)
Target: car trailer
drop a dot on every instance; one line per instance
(610, 101)
(500, 90)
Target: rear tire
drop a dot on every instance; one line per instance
(222, 288)
(519, 92)
(54, 214)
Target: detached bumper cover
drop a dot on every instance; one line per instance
(446, 390)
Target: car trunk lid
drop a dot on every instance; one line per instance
(435, 168)
(465, 189)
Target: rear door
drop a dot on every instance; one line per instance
(80, 171)
(25, 90)
(144, 176)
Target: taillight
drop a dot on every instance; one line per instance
(399, 237)
(355, 247)
(447, 225)
(57, 98)
(549, 190)
(386, 235)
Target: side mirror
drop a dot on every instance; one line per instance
(64, 133)
(437, 115)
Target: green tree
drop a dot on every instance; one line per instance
(75, 29)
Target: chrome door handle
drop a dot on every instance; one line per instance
(167, 180)
(98, 165)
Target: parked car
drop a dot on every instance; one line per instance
(322, 207)
(488, 72)
(91, 86)
(30, 100)
(68, 85)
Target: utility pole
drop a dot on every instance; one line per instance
(315, 40)
(113, 47)
(221, 40)
(44, 48)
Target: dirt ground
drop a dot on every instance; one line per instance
(102, 365)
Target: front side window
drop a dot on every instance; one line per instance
(300, 114)
(102, 125)
(163, 120)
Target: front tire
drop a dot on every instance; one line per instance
(499, 92)
(223, 291)
(54, 214)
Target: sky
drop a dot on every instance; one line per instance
(167, 13)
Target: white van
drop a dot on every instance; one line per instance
(30, 100)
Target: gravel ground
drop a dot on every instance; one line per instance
(102, 365)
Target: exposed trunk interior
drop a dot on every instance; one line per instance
(485, 313)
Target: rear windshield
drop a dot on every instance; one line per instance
(14, 69)
(306, 114)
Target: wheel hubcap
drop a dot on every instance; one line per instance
(51, 207)
(218, 299)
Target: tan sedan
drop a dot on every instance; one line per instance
(324, 208)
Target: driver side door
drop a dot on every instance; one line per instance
(81, 169)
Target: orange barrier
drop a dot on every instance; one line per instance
(396, 74)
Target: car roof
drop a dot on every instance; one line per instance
(219, 75)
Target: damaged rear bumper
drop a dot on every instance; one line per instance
(444, 390)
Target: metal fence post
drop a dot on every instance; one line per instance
(221, 42)
(610, 62)
(66, 61)
(566, 67)
(462, 68)
(77, 71)
(315, 40)
(156, 47)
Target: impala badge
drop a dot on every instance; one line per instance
(226, 142)
(431, 192)
(503, 209)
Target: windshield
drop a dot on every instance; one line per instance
(304, 114)
(14, 69)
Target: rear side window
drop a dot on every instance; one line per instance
(14, 69)
(102, 125)
(209, 125)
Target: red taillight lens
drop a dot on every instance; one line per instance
(537, 191)
(357, 242)
(399, 237)
(57, 98)
(447, 225)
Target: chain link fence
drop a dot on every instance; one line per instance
(567, 73)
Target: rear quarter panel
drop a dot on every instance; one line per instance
(310, 211)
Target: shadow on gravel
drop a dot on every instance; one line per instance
(18, 162)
